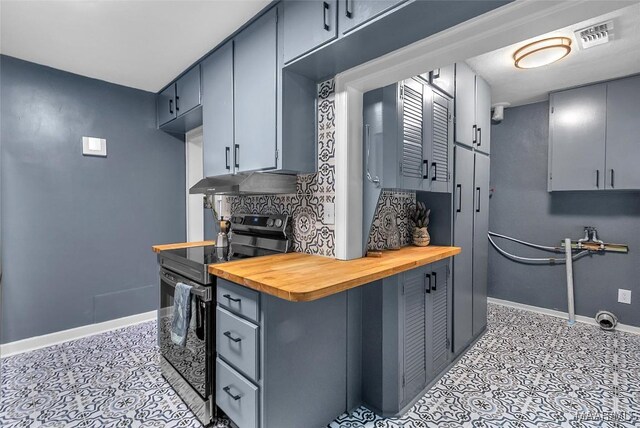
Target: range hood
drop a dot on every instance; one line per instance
(246, 183)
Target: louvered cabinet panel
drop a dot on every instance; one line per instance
(414, 332)
(441, 134)
(412, 134)
(437, 337)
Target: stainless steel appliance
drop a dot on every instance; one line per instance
(191, 369)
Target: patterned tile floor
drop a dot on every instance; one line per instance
(529, 370)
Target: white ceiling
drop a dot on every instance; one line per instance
(619, 57)
(142, 44)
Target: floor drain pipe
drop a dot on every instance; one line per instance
(569, 266)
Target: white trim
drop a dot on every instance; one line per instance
(506, 25)
(38, 342)
(559, 314)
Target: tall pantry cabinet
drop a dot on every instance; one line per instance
(471, 205)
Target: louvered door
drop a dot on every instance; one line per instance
(441, 131)
(413, 169)
(436, 319)
(414, 333)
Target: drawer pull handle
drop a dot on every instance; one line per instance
(228, 296)
(227, 389)
(235, 339)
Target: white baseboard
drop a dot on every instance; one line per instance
(32, 343)
(559, 314)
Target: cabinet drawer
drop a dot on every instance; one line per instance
(237, 342)
(238, 299)
(236, 396)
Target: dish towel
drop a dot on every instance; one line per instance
(181, 314)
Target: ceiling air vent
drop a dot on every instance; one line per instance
(595, 35)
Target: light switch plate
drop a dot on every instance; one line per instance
(93, 146)
(624, 296)
(329, 213)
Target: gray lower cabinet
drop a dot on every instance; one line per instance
(405, 336)
(353, 13)
(471, 225)
(280, 364)
(217, 111)
(408, 137)
(480, 242)
(577, 132)
(308, 24)
(255, 94)
(463, 213)
(623, 134)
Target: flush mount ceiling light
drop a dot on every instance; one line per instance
(542, 52)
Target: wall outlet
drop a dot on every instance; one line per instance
(624, 296)
(329, 213)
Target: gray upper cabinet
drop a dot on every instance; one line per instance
(188, 91)
(308, 25)
(408, 137)
(473, 109)
(623, 134)
(483, 115)
(463, 237)
(255, 94)
(166, 105)
(440, 142)
(217, 111)
(577, 128)
(353, 13)
(443, 78)
(480, 242)
(465, 105)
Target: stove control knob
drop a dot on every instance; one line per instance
(278, 222)
(237, 220)
(270, 222)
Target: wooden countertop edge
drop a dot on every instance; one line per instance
(178, 245)
(307, 296)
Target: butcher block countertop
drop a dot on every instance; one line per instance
(301, 277)
(164, 247)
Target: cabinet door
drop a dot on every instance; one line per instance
(441, 143)
(414, 332)
(308, 25)
(353, 13)
(463, 237)
(483, 115)
(414, 166)
(188, 91)
(255, 81)
(480, 242)
(217, 111)
(166, 105)
(577, 124)
(623, 134)
(443, 78)
(465, 105)
(436, 319)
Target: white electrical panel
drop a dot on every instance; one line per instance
(92, 146)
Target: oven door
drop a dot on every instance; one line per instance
(193, 362)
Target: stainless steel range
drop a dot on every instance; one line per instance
(191, 369)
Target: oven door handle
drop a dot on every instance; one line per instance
(203, 292)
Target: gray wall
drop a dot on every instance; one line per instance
(521, 207)
(77, 230)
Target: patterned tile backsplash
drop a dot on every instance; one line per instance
(306, 206)
(393, 203)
